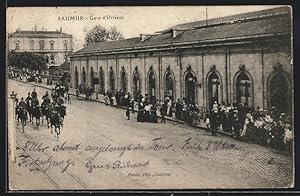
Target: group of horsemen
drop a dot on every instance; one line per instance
(54, 110)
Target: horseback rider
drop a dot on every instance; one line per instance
(46, 98)
(28, 97)
(22, 103)
(35, 102)
(34, 94)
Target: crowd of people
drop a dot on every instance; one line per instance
(259, 126)
(254, 125)
(26, 76)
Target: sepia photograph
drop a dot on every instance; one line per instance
(150, 97)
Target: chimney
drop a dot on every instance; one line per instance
(35, 28)
(144, 37)
(60, 29)
(176, 32)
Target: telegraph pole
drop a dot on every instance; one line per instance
(12, 128)
(206, 16)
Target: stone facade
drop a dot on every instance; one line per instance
(242, 70)
(54, 45)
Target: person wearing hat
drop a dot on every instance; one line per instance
(34, 94)
(22, 103)
(215, 106)
(178, 109)
(163, 111)
(288, 137)
(28, 99)
(214, 122)
(128, 113)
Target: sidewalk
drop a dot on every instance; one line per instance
(101, 100)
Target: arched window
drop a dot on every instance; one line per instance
(190, 86)
(123, 80)
(136, 82)
(243, 87)
(152, 85)
(42, 45)
(17, 45)
(279, 91)
(76, 77)
(31, 45)
(65, 45)
(213, 87)
(169, 84)
(91, 83)
(111, 80)
(51, 45)
(83, 76)
(101, 81)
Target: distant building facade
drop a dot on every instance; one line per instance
(55, 46)
(243, 58)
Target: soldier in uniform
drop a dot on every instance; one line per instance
(34, 94)
(214, 122)
(46, 99)
(22, 103)
(28, 98)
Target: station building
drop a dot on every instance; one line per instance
(245, 58)
(55, 46)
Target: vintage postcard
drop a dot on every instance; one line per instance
(145, 97)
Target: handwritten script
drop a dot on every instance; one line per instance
(38, 156)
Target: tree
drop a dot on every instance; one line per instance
(114, 34)
(100, 34)
(26, 60)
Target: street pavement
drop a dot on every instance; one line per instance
(99, 148)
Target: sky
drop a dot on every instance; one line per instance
(131, 21)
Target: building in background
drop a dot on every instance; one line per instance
(242, 59)
(55, 46)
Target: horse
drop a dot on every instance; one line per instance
(54, 121)
(36, 112)
(45, 111)
(21, 114)
(29, 108)
(62, 114)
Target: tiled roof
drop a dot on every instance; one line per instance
(233, 29)
(39, 34)
(256, 14)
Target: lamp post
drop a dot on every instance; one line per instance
(12, 128)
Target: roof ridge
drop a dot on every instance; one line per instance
(226, 18)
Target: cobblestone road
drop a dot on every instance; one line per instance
(198, 164)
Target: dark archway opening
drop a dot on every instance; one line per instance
(123, 81)
(152, 87)
(190, 88)
(101, 81)
(76, 77)
(243, 86)
(213, 89)
(169, 82)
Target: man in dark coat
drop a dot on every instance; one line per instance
(214, 122)
(34, 94)
(163, 111)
